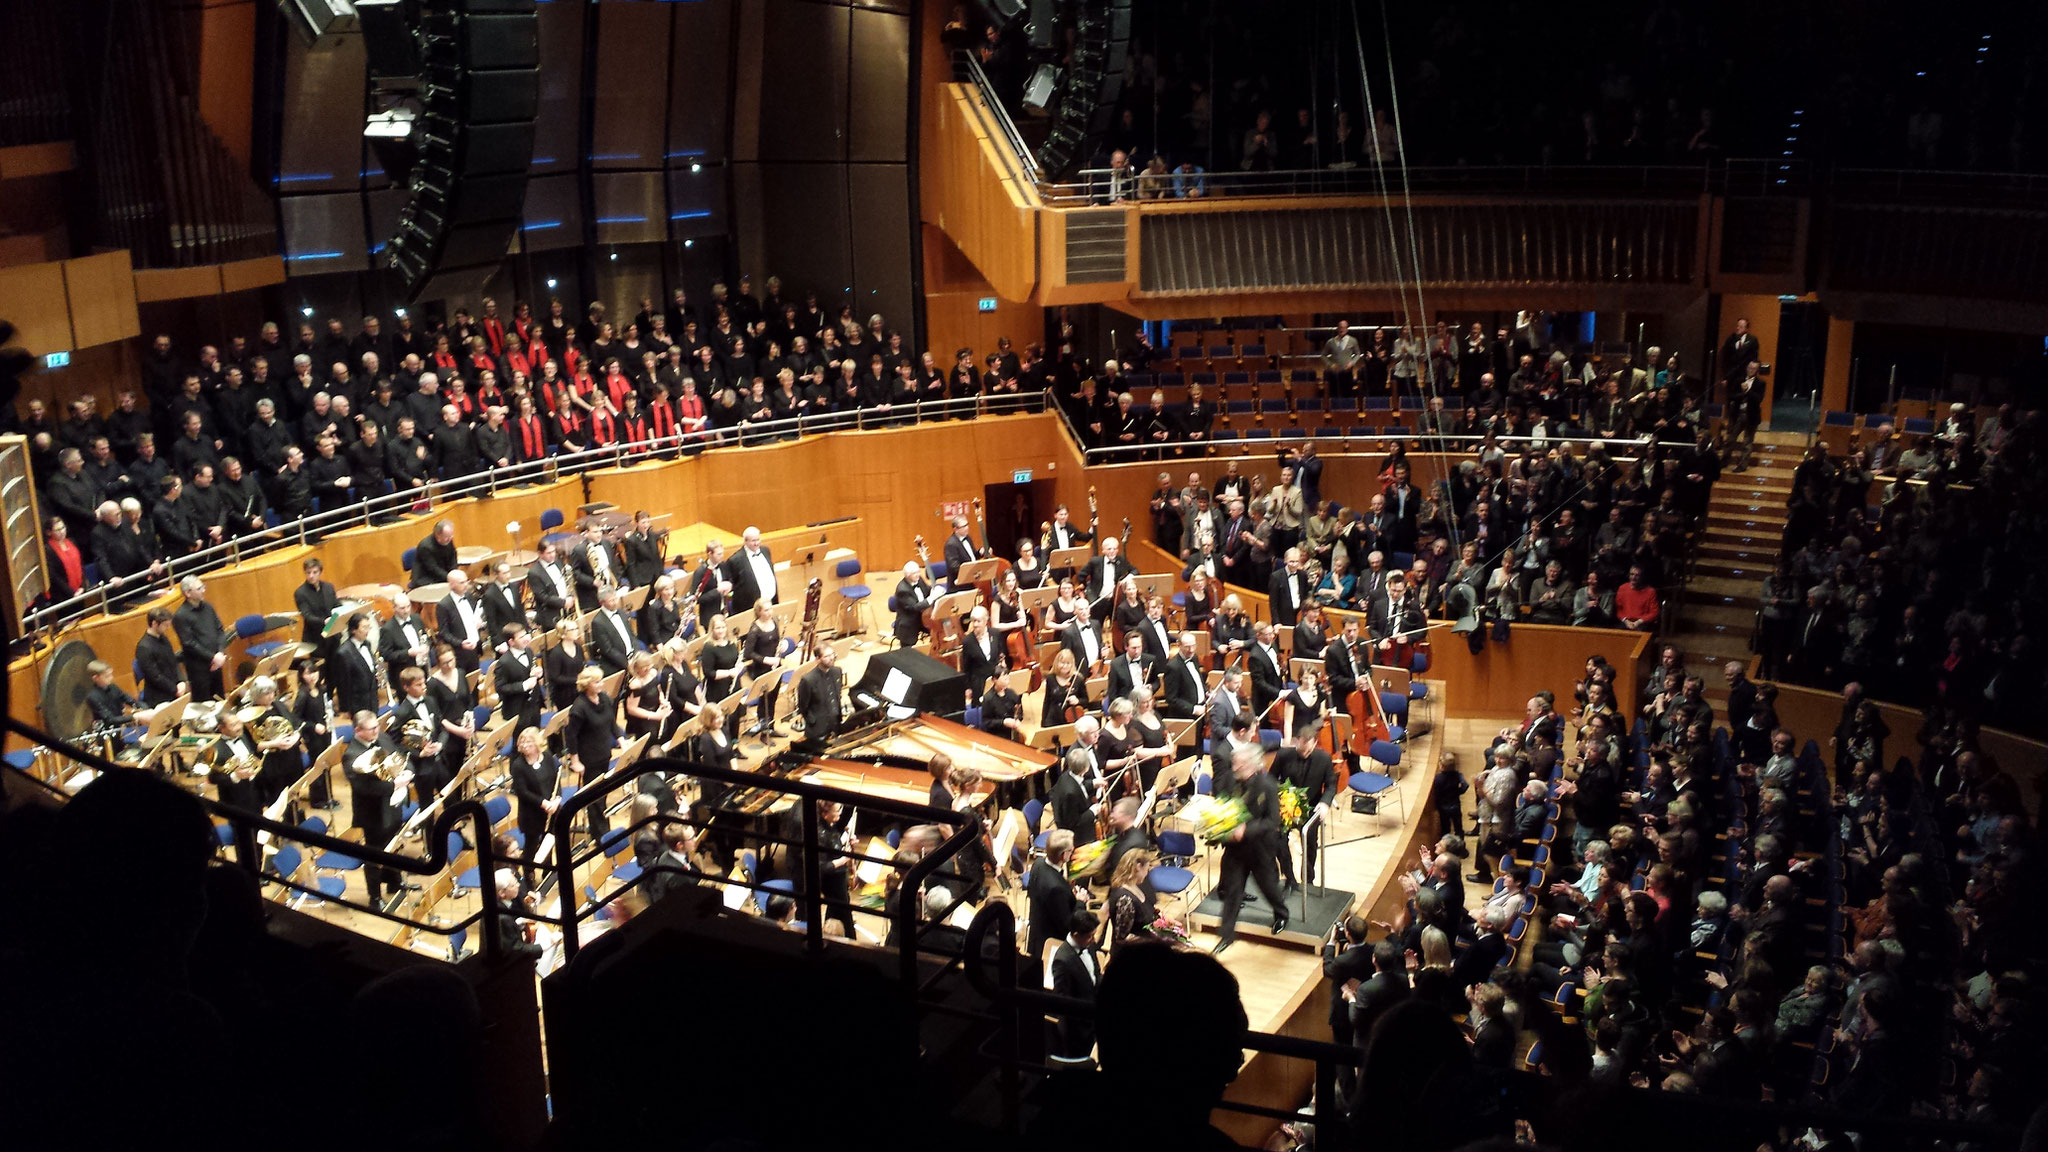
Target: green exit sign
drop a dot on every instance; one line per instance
(1021, 476)
(986, 304)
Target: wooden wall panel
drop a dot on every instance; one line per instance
(99, 371)
(227, 45)
(965, 190)
(101, 293)
(32, 298)
(365, 555)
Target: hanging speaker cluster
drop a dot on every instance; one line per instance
(469, 125)
(1090, 87)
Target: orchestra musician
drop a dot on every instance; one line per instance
(434, 557)
(1084, 639)
(718, 663)
(685, 692)
(1200, 607)
(537, 786)
(1065, 603)
(661, 618)
(455, 703)
(1028, 570)
(352, 669)
(818, 697)
(594, 565)
(1152, 629)
(414, 705)
(1001, 707)
(1311, 633)
(460, 622)
(611, 638)
(552, 586)
(646, 696)
(914, 593)
(238, 787)
(1007, 613)
(1340, 663)
(591, 734)
(1267, 671)
(403, 640)
(313, 712)
(162, 674)
(1397, 620)
(751, 571)
(1308, 767)
(374, 802)
(1185, 682)
(1230, 633)
(1131, 669)
(1102, 574)
(714, 747)
(1070, 799)
(709, 585)
(1065, 691)
(1289, 590)
(281, 763)
(563, 663)
(202, 640)
(110, 704)
(959, 552)
(835, 865)
(763, 653)
(1128, 613)
(516, 676)
(502, 603)
(1064, 533)
(642, 548)
(980, 652)
(1253, 847)
(316, 601)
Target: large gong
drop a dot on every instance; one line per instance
(65, 683)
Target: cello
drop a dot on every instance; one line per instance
(946, 639)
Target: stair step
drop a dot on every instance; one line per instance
(1721, 620)
(1748, 573)
(1719, 586)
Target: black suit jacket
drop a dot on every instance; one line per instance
(745, 588)
(396, 648)
(643, 559)
(1123, 677)
(612, 646)
(549, 601)
(1341, 968)
(502, 604)
(818, 702)
(1070, 639)
(957, 553)
(1340, 667)
(1160, 640)
(315, 604)
(1285, 613)
(159, 667)
(370, 795)
(911, 601)
(659, 621)
(1052, 908)
(1313, 774)
(978, 663)
(1184, 680)
(1070, 977)
(1070, 809)
(1092, 577)
(1267, 678)
(1477, 962)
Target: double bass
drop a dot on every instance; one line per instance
(945, 635)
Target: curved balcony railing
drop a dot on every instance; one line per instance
(108, 596)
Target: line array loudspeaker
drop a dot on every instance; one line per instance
(480, 91)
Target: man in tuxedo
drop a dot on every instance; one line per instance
(161, 673)
(818, 697)
(501, 603)
(1308, 768)
(1340, 664)
(959, 552)
(1252, 847)
(593, 564)
(459, 623)
(1185, 683)
(1125, 834)
(1072, 810)
(1066, 534)
(351, 668)
(1129, 670)
(1083, 639)
(413, 705)
(1051, 898)
(202, 640)
(374, 802)
(552, 586)
(404, 642)
(643, 552)
(752, 570)
(1398, 615)
(914, 593)
(1738, 351)
(980, 652)
(517, 678)
(434, 557)
(1269, 675)
(1102, 574)
(1074, 968)
(1226, 708)
(316, 601)
(611, 635)
(1289, 590)
(1158, 642)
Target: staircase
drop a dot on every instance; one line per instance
(1735, 551)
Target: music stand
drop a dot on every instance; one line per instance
(1058, 735)
(955, 605)
(1067, 559)
(166, 718)
(979, 571)
(1158, 584)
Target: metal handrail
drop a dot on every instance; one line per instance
(1463, 445)
(969, 71)
(105, 597)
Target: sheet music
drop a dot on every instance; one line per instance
(895, 686)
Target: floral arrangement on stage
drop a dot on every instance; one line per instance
(1221, 818)
(1294, 805)
(1171, 931)
(1088, 859)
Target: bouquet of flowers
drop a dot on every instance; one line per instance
(1170, 930)
(1294, 806)
(1088, 859)
(1222, 818)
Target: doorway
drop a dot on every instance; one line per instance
(1801, 359)
(1014, 513)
